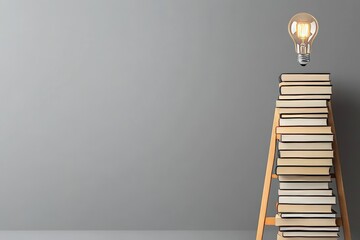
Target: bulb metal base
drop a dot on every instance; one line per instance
(303, 59)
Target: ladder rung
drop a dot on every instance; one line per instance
(275, 176)
(270, 221)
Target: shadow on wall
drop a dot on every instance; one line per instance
(346, 105)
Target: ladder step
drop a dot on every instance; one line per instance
(275, 176)
(270, 221)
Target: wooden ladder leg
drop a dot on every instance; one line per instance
(339, 180)
(268, 178)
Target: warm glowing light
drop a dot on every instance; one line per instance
(303, 30)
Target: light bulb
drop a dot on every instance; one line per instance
(303, 29)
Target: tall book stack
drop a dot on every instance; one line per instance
(305, 159)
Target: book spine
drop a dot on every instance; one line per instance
(280, 79)
(292, 86)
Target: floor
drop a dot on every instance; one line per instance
(129, 235)
(136, 235)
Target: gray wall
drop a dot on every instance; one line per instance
(156, 114)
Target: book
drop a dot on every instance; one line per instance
(308, 215)
(306, 154)
(303, 122)
(314, 192)
(293, 208)
(307, 199)
(310, 234)
(304, 146)
(304, 185)
(301, 103)
(304, 130)
(304, 178)
(302, 110)
(306, 138)
(302, 170)
(303, 97)
(305, 90)
(311, 229)
(305, 115)
(302, 83)
(289, 77)
(317, 222)
(279, 237)
(304, 162)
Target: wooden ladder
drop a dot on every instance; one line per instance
(269, 176)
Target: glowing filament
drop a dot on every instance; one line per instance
(303, 30)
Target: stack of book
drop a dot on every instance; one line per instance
(305, 159)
